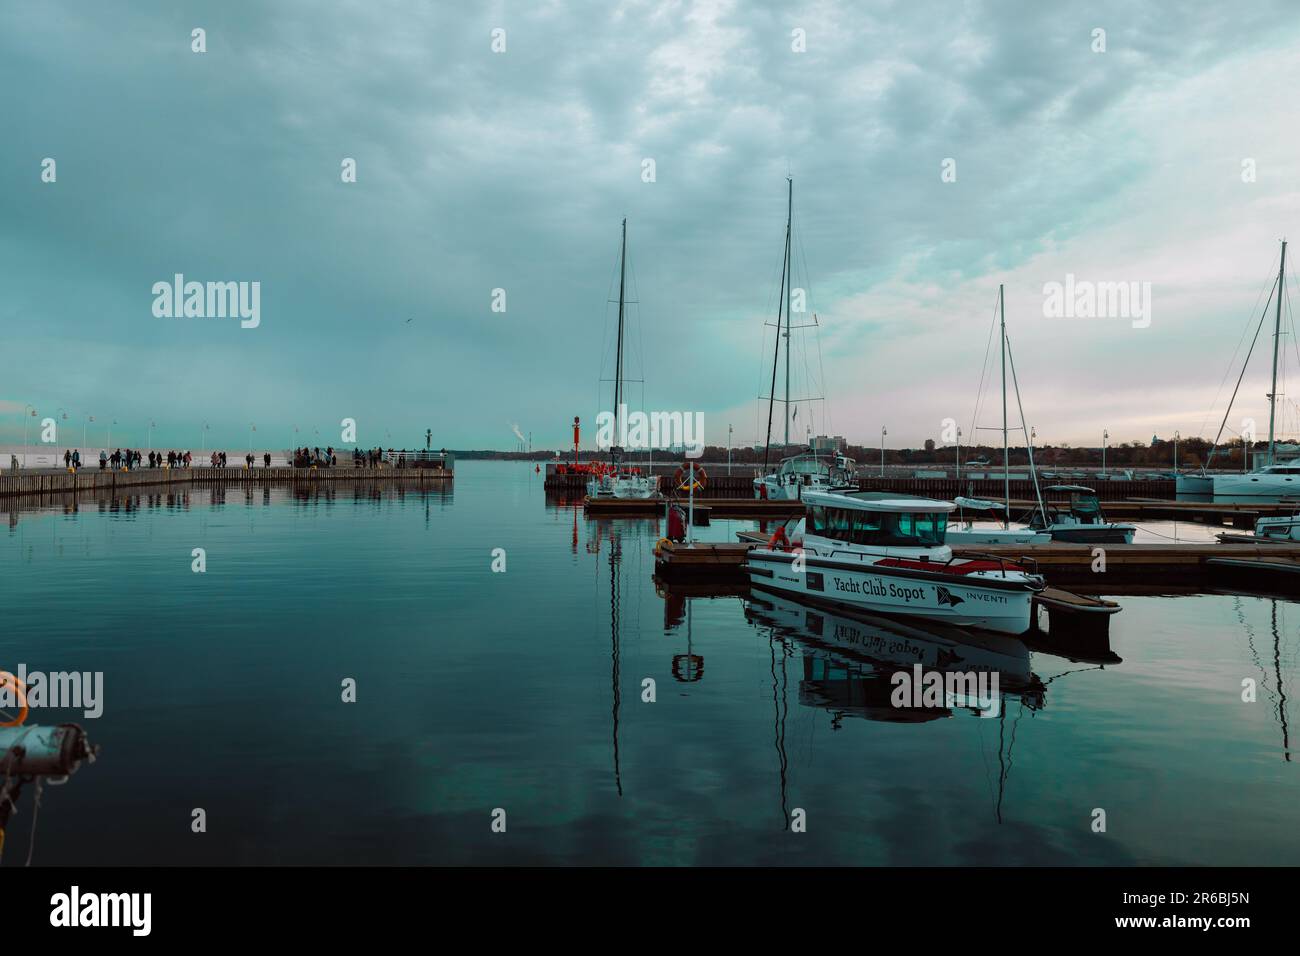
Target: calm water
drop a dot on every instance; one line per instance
(522, 690)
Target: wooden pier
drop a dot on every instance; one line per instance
(94, 480)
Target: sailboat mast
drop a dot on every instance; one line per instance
(618, 361)
(1006, 452)
(789, 218)
(1277, 332)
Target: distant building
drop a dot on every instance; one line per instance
(824, 443)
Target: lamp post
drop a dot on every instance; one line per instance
(959, 453)
(149, 434)
(25, 417)
(84, 419)
(203, 437)
(63, 415)
(1176, 436)
(883, 433)
(110, 433)
(729, 430)
(1105, 437)
(251, 428)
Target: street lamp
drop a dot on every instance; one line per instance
(152, 425)
(25, 417)
(110, 433)
(1105, 437)
(959, 453)
(85, 417)
(729, 451)
(251, 428)
(1176, 436)
(203, 437)
(883, 433)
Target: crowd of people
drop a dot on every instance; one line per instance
(130, 458)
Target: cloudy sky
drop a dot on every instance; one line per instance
(480, 170)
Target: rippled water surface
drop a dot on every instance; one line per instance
(523, 691)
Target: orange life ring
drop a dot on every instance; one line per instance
(778, 541)
(681, 478)
(7, 678)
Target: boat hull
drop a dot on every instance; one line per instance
(962, 536)
(963, 600)
(1094, 534)
(1257, 486)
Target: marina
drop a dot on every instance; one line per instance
(726, 658)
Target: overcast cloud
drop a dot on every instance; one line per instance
(481, 170)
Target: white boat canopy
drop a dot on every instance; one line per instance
(979, 504)
(878, 501)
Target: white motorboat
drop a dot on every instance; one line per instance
(967, 533)
(619, 480)
(628, 484)
(886, 553)
(1278, 529)
(809, 471)
(1078, 518)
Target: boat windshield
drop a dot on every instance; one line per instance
(899, 528)
(1085, 505)
(806, 466)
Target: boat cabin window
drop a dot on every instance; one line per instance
(905, 529)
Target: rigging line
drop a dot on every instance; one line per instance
(1233, 360)
(1228, 411)
(776, 352)
(1029, 446)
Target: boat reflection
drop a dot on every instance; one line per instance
(849, 661)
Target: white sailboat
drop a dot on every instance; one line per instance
(1046, 523)
(617, 480)
(816, 469)
(1276, 479)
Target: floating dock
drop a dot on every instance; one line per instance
(715, 507)
(1272, 568)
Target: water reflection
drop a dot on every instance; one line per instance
(1270, 677)
(214, 495)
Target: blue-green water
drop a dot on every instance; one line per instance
(523, 690)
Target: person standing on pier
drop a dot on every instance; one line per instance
(266, 460)
(103, 459)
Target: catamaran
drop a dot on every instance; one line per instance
(617, 480)
(886, 553)
(815, 469)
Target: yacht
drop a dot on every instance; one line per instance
(617, 480)
(1278, 480)
(886, 553)
(1077, 517)
(809, 471)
